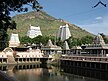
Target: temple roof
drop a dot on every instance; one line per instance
(66, 46)
(50, 46)
(34, 31)
(50, 43)
(14, 40)
(64, 32)
(98, 40)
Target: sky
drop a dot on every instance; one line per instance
(80, 13)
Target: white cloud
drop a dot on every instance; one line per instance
(97, 27)
(98, 18)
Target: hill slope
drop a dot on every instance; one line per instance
(49, 25)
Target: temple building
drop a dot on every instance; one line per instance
(34, 31)
(76, 50)
(14, 40)
(64, 32)
(66, 49)
(51, 49)
(97, 48)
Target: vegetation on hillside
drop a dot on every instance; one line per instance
(49, 25)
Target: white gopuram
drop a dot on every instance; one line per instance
(14, 40)
(64, 32)
(34, 31)
(66, 46)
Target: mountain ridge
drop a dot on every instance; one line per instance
(48, 24)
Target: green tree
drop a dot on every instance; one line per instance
(77, 42)
(37, 40)
(60, 43)
(25, 40)
(86, 40)
(7, 6)
(42, 39)
(73, 42)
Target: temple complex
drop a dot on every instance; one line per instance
(51, 49)
(14, 40)
(97, 48)
(34, 31)
(64, 32)
(66, 49)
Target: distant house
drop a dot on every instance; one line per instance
(34, 31)
(64, 32)
(14, 40)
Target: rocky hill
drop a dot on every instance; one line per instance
(49, 25)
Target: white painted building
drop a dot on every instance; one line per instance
(64, 32)
(14, 40)
(30, 54)
(34, 31)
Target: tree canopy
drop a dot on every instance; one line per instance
(7, 6)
